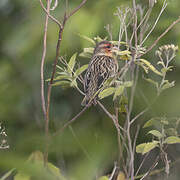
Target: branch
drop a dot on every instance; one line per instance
(140, 114)
(71, 121)
(76, 9)
(163, 8)
(61, 29)
(43, 60)
(151, 168)
(111, 116)
(42, 82)
(142, 163)
(163, 34)
(50, 16)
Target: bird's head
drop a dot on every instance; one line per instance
(105, 48)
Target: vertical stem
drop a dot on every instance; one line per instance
(50, 88)
(119, 139)
(43, 60)
(42, 79)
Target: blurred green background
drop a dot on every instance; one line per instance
(89, 146)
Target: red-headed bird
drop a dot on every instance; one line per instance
(102, 66)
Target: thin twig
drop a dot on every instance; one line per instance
(76, 9)
(61, 29)
(134, 33)
(140, 114)
(51, 82)
(111, 116)
(133, 88)
(50, 16)
(163, 8)
(163, 34)
(113, 172)
(145, 110)
(42, 82)
(135, 139)
(71, 121)
(157, 171)
(43, 60)
(142, 163)
(118, 136)
(152, 167)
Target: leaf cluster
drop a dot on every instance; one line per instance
(165, 132)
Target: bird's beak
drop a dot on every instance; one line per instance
(115, 49)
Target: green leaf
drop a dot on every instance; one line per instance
(106, 92)
(73, 83)
(152, 82)
(123, 102)
(165, 70)
(146, 147)
(125, 52)
(71, 63)
(155, 133)
(109, 81)
(121, 176)
(149, 123)
(103, 178)
(62, 77)
(147, 65)
(87, 38)
(172, 140)
(6, 175)
(127, 83)
(168, 85)
(124, 55)
(81, 69)
(118, 91)
(55, 171)
(85, 55)
(87, 52)
(62, 83)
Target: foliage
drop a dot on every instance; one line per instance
(92, 148)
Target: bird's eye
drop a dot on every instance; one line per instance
(108, 46)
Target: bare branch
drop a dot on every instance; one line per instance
(152, 167)
(43, 60)
(76, 9)
(54, 6)
(50, 16)
(113, 172)
(163, 8)
(140, 114)
(142, 163)
(135, 139)
(42, 82)
(163, 34)
(111, 116)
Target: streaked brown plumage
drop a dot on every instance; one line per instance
(101, 67)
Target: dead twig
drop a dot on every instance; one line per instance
(50, 16)
(162, 35)
(61, 29)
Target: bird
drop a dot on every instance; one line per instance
(101, 67)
